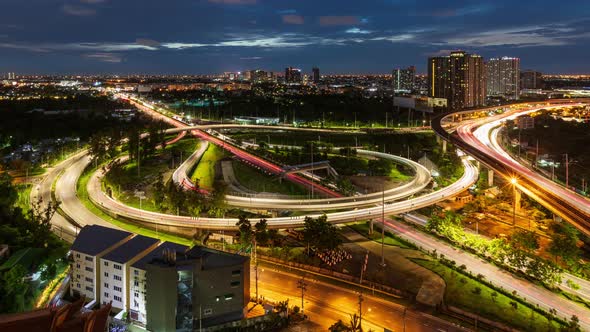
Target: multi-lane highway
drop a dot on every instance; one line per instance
(478, 139)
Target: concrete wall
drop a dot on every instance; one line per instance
(84, 275)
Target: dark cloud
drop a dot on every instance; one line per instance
(293, 19)
(76, 10)
(339, 20)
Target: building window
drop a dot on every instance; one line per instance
(106, 294)
(77, 255)
(236, 273)
(117, 298)
(88, 258)
(118, 289)
(136, 272)
(78, 265)
(88, 279)
(207, 311)
(116, 277)
(235, 284)
(135, 304)
(89, 269)
(136, 283)
(106, 263)
(106, 285)
(229, 297)
(88, 288)
(106, 274)
(77, 285)
(77, 276)
(117, 266)
(136, 294)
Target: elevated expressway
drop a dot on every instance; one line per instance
(478, 138)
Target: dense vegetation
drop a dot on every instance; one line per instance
(21, 229)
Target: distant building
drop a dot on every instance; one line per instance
(292, 75)
(525, 122)
(201, 287)
(459, 78)
(503, 77)
(530, 79)
(403, 79)
(316, 75)
(254, 120)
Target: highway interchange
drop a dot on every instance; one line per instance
(74, 166)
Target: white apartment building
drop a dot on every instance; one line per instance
(137, 281)
(92, 243)
(114, 267)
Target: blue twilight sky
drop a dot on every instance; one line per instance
(339, 36)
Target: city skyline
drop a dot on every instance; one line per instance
(214, 36)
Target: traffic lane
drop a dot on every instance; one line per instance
(325, 304)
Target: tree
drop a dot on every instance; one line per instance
(320, 234)
(245, 229)
(283, 308)
(261, 232)
(9, 194)
(98, 147)
(494, 296)
(159, 192)
(40, 223)
(525, 240)
(15, 288)
(355, 323)
(564, 242)
(573, 325)
(217, 203)
(339, 326)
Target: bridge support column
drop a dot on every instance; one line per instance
(444, 146)
(371, 227)
(490, 178)
(517, 198)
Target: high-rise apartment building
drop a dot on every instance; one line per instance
(403, 79)
(316, 75)
(503, 77)
(458, 77)
(530, 79)
(292, 75)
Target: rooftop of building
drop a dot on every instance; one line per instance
(94, 239)
(130, 249)
(211, 258)
(157, 253)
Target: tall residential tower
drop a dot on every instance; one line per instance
(503, 77)
(403, 79)
(458, 77)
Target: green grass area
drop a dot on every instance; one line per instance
(461, 292)
(123, 181)
(389, 239)
(256, 180)
(398, 175)
(131, 227)
(24, 196)
(204, 172)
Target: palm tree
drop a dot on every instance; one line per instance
(283, 308)
(355, 323)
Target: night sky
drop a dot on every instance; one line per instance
(339, 36)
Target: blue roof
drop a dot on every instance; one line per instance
(130, 249)
(157, 252)
(94, 239)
